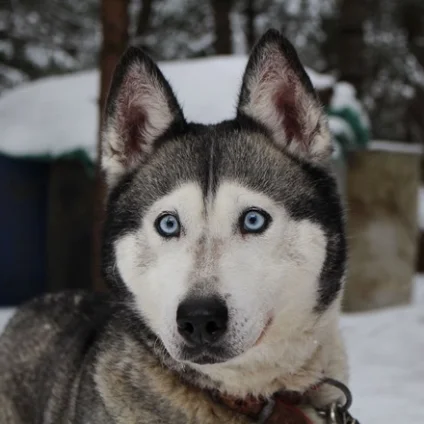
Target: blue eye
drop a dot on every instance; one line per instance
(254, 221)
(168, 225)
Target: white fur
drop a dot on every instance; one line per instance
(273, 275)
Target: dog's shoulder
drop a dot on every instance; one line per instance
(56, 314)
(44, 345)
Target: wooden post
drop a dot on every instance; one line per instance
(250, 15)
(382, 189)
(115, 23)
(221, 10)
(352, 67)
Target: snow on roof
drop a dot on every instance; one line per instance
(59, 114)
(51, 116)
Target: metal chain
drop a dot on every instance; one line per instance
(337, 413)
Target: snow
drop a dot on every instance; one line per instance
(42, 57)
(340, 127)
(5, 314)
(345, 97)
(421, 208)
(386, 351)
(396, 147)
(11, 76)
(321, 81)
(6, 48)
(238, 23)
(61, 113)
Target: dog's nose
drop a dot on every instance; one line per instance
(202, 321)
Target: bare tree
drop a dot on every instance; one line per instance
(351, 50)
(411, 13)
(144, 18)
(223, 36)
(115, 23)
(250, 15)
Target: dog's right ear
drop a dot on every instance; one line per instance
(140, 108)
(278, 94)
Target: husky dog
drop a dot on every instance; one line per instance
(224, 251)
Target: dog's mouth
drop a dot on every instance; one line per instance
(216, 354)
(206, 356)
(264, 331)
(207, 359)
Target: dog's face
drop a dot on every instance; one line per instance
(228, 239)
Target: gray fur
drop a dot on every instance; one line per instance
(81, 358)
(59, 352)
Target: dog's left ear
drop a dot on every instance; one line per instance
(278, 94)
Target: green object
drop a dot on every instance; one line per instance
(77, 154)
(358, 134)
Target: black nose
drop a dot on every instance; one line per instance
(202, 321)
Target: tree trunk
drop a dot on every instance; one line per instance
(115, 23)
(351, 45)
(250, 15)
(144, 18)
(223, 37)
(411, 14)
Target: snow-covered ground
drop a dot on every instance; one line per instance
(386, 350)
(5, 314)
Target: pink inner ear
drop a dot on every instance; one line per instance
(132, 130)
(130, 121)
(131, 118)
(285, 102)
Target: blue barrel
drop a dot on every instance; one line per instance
(23, 223)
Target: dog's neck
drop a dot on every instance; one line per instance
(284, 406)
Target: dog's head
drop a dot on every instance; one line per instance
(226, 239)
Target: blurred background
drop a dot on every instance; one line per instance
(366, 61)
(365, 58)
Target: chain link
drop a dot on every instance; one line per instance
(337, 413)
